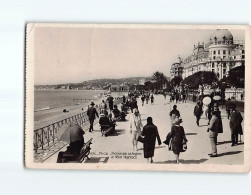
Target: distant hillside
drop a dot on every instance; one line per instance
(97, 83)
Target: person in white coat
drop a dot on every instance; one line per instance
(135, 127)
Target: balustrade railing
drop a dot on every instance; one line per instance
(48, 135)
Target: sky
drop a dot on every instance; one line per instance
(71, 55)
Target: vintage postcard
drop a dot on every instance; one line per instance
(138, 97)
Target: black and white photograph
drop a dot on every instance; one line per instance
(137, 97)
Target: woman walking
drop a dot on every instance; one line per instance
(178, 138)
(150, 131)
(135, 127)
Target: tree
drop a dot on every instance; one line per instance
(193, 81)
(176, 81)
(160, 79)
(236, 77)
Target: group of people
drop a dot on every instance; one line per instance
(175, 139)
(146, 97)
(178, 97)
(213, 114)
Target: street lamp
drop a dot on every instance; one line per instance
(202, 83)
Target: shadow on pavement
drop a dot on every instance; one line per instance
(229, 153)
(183, 161)
(97, 160)
(118, 132)
(224, 142)
(191, 133)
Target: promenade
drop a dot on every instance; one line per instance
(117, 148)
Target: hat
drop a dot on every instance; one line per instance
(135, 110)
(92, 103)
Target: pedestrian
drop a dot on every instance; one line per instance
(241, 96)
(164, 95)
(177, 97)
(228, 105)
(213, 133)
(110, 102)
(143, 99)
(152, 99)
(103, 107)
(197, 112)
(124, 99)
(91, 113)
(150, 131)
(135, 126)
(184, 98)
(133, 104)
(178, 138)
(205, 110)
(174, 114)
(235, 124)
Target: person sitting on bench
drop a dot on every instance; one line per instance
(116, 113)
(107, 125)
(76, 143)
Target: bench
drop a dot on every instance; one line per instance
(68, 157)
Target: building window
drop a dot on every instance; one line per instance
(243, 63)
(243, 51)
(218, 51)
(229, 52)
(243, 56)
(224, 71)
(224, 51)
(212, 65)
(224, 65)
(214, 57)
(214, 52)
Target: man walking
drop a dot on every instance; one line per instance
(91, 112)
(235, 124)
(197, 112)
(213, 133)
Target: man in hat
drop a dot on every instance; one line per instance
(197, 112)
(235, 124)
(91, 113)
(213, 133)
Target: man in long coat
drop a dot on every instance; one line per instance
(235, 124)
(91, 112)
(150, 131)
(197, 112)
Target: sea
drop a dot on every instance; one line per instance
(49, 99)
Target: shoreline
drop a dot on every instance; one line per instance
(46, 117)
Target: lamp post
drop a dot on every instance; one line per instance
(202, 84)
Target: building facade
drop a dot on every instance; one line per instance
(219, 55)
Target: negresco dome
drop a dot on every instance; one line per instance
(221, 35)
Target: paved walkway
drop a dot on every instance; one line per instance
(117, 148)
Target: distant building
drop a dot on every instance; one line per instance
(119, 88)
(142, 81)
(219, 55)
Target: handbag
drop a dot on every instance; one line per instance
(141, 139)
(184, 146)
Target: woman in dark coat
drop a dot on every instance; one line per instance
(150, 131)
(178, 138)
